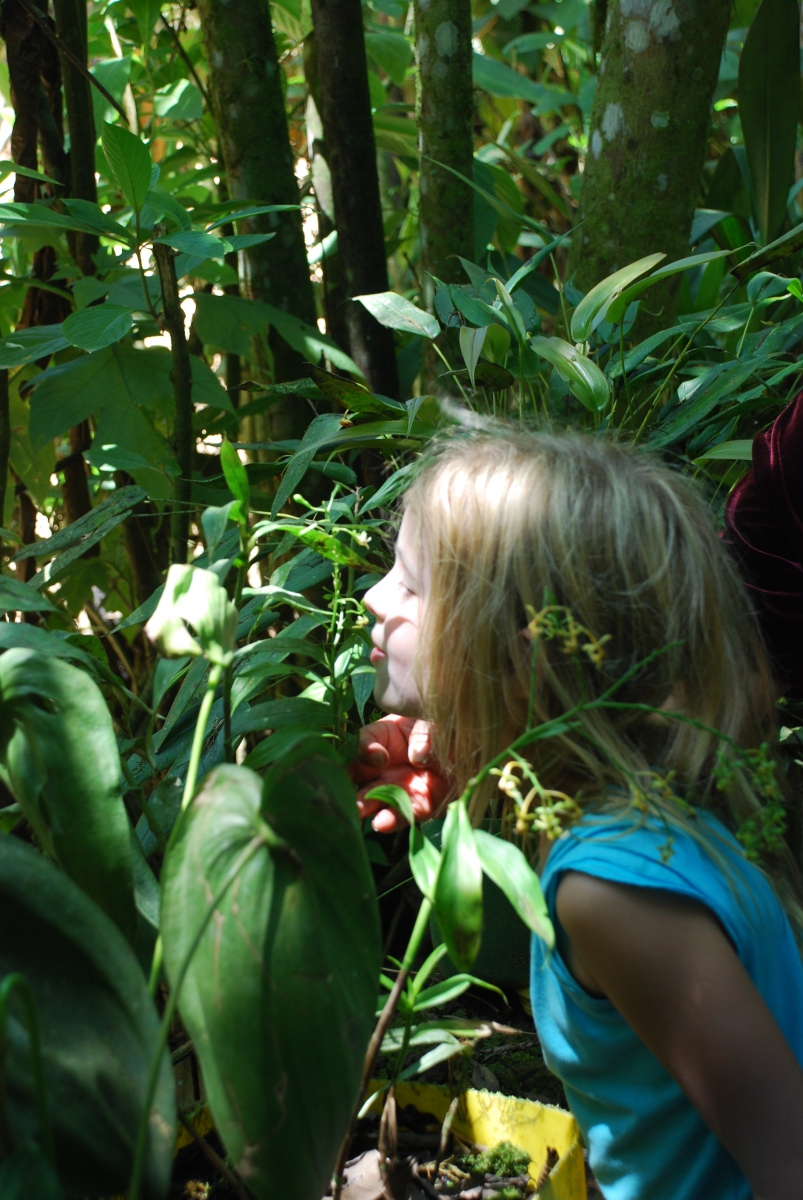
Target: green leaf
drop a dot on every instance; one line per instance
(393, 311)
(591, 310)
(394, 797)
(93, 215)
(60, 752)
(505, 864)
(498, 79)
(769, 100)
(38, 216)
(391, 51)
(471, 341)
(16, 596)
(193, 241)
(620, 303)
(458, 890)
(236, 478)
(782, 247)
(425, 862)
(196, 598)
(740, 451)
(12, 168)
(94, 328)
(99, 1031)
(28, 345)
(130, 163)
(353, 395)
(85, 532)
(328, 546)
(586, 381)
(256, 210)
(280, 995)
(179, 101)
(514, 317)
(29, 1172)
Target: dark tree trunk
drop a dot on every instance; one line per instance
(71, 28)
(647, 143)
(249, 110)
(351, 154)
(445, 119)
(334, 294)
(181, 379)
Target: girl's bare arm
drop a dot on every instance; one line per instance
(667, 966)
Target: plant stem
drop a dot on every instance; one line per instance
(5, 442)
(377, 1037)
(181, 378)
(167, 1017)
(215, 672)
(20, 983)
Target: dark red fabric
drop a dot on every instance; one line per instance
(764, 529)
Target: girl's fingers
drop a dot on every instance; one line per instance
(419, 745)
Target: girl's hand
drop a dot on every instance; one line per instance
(397, 750)
(667, 966)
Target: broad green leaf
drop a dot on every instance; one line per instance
(492, 376)
(449, 989)
(328, 546)
(16, 596)
(29, 1172)
(769, 100)
(620, 303)
(471, 342)
(394, 797)
(194, 598)
(147, 13)
(591, 310)
(505, 864)
(393, 311)
(99, 326)
(12, 168)
(782, 247)
(22, 217)
(425, 862)
(586, 381)
(391, 51)
(393, 486)
(194, 241)
(245, 241)
(60, 752)
(256, 210)
(99, 1031)
(93, 215)
(353, 395)
(86, 531)
(739, 451)
(236, 478)
(111, 457)
(130, 163)
(28, 345)
(214, 522)
(280, 995)
(498, 79)
(180, 101)
(496, 345)
(458, 889)
(514, 317)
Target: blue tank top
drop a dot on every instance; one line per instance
(645, 1140)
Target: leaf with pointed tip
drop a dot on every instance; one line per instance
(471, 342)
(458, 889)
(130, 163)
(586, 381)
(99, 326)
(621, 303)
(591, 310)
(505, 864)
(395, 312)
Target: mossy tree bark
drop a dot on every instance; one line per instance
(660, 61)
(351, 154)
(445, 121)
(249, 111)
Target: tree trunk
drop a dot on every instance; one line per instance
(71, 28)
(250, 115)
(648, 135)
(334, 295)
(445, 118)
(351, 153)
(181, 379)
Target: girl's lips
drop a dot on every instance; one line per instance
(377, 655)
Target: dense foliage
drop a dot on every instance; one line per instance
(197, 485)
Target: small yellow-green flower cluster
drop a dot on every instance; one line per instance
(552, 812)
(556, 623)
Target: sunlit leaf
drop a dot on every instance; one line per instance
(130, 162)
(586, 381)
(620, 304)
(505, 864)
(392, 310)
(99, 326)
(591, 310)
(194, 598)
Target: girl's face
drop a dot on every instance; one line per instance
(397, 602)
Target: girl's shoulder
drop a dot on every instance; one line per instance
(696, 857)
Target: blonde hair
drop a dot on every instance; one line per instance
(511, 522)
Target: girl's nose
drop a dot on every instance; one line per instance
(371, 599)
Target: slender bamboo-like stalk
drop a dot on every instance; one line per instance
(181, 378)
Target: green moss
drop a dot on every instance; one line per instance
(504, 1159)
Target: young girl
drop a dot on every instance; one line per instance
(672, 1006)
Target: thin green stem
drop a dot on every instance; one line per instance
(215, 673)
(18, 982)
(170, 1008)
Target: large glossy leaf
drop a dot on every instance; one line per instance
(28, 1172)
(617, 309)
(591, 310)
(280, 995)
(60, 753)
(22, 217)
(458, 890)
(130, 163)
(769, 103)
(505, 864)
(392, 310)
(98, 1026)
(96, 327)
(586, 381)
(27, 345)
